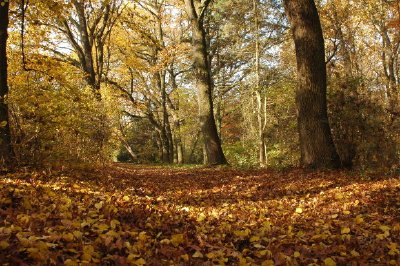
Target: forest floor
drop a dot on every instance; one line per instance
(142, 215)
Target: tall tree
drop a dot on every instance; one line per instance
(5, 135)
(316, 143)
(196, 10)
(261, 100)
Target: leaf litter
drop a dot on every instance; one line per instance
(141, 215)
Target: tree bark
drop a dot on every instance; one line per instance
(316, 143)
(212, 143)
(6, 153)
(261, 111)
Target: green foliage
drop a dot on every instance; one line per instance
(241, 154)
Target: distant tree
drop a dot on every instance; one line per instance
(316, 143)
(5, 135)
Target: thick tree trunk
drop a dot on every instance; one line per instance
(212, 142)
(5, 134)
(316, 143)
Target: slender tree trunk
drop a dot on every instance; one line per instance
(212, 142)
(262, 153)
(316, 143)
(179, 148)
(128, 148)
(175, 117)
(168, 156)
(166, 134)
(389, 53)
(6, 153)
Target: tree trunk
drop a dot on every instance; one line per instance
(5, 134)
(261, 112)
(178, 145)
(179, 150)
(212, 143)
(389, 53)
(316, 143)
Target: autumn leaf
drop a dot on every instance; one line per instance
(197, 254)
(345, 230)
(329, 262)
(177, 239)
(4, 244)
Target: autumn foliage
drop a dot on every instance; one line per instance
(126, 215)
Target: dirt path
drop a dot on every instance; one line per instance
(143, 215)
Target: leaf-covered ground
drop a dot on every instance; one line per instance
(135, 215)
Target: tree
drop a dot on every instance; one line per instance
(5, 135)
(316, 143)
(196, 10)
(87, 27)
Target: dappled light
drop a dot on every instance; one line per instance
(143, 215)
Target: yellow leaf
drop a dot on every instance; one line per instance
(345, 230)
(132, 257)
(68, 237)
(114, 223)
(185, 257)
(165, 241)
(177, 239)
(254, 239)
(140, 262)
(299, 210)
(296, 254)
(86, 257)
(23, 218)
(126, 198)
(99, 205)
(35, 253)
(339, 196)
(380, 236)
(329, 262)
(88, 251)
(268, 263)
(346, 212)
(210, 255)
(359, 219)
(4, 244)
(70, 262)
(242, 233)
(393, 251)
(201, 217)
(102, 227)
(354, 253)
(267, 225)
(384, 228)
(197, 254)
(77, 234)
(142, 236)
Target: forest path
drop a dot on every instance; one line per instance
(153, 215)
